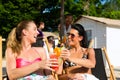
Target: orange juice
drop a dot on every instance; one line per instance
(57, 51)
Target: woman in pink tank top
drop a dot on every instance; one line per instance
(23, 61)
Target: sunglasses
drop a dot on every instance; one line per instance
(70, 34)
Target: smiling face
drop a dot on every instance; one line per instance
(74, 38)
(30, 32)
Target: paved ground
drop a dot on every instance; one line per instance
(116, 70)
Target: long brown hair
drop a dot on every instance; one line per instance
(15, 36)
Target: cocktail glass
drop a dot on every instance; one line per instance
(54, 56)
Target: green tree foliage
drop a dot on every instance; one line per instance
(111, 9)
(13, 11)
(50, 13)
(80, 7)
(111, 14)
(74, 7)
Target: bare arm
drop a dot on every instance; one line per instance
(14, 72)
(89, 63)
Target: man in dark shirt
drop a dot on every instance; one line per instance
(39, 41)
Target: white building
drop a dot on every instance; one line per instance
(106, 33)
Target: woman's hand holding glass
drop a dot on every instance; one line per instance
(65, 54)
(50, 64)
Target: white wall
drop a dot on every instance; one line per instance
(104, 36)
(113, 45)
(98, 31)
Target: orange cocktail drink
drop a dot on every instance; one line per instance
(57, 52)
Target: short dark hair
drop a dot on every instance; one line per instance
(40, 23)
(50, 39)
(66, 15)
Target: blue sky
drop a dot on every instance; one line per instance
(103, 1)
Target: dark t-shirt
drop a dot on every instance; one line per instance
(40, 33)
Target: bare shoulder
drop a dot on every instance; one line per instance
(41, 51)
(89, 50)
(10, 56)
(9, 52)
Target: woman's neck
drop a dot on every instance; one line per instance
(25, 45)
(77, 48)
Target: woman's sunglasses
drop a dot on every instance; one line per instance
(70, 34)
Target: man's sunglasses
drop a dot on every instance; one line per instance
(70, 34)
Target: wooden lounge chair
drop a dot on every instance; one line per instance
(4, 74)
(1, 69)
(99, 70)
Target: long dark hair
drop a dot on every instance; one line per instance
(81, 32)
